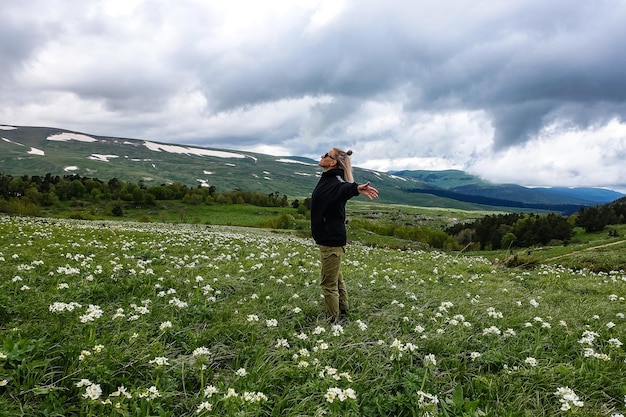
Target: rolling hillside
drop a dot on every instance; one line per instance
(42, 150)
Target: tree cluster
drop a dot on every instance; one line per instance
(25, 194)
(503, 231)
(595, 219)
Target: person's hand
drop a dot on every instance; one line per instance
(368, 191)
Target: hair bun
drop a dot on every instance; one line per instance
(349, 152)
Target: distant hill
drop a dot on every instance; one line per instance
(462, 186)
(40, 150)
(598, 195)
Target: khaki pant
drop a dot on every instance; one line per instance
(333, 287)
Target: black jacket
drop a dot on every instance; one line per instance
(328, 208)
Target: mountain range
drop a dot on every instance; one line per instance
(30, 151)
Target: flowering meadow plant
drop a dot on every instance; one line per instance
(136, 319)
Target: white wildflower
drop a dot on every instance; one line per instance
(93, 392)
(209, 391)
(159, 361)
(530, 361)
(568, 398)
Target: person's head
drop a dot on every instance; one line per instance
(337, 158)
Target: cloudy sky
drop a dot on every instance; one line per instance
(531, 92)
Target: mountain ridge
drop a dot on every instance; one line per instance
(26, 150)
(463, 183)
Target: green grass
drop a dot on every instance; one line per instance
(576, 254)
(412, 215)
(249, 215)
(217, 214)
(187, 308)
(175, 212)
(598, 251)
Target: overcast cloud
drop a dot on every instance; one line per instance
(525, 91)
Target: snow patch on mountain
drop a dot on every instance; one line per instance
(35, 151)
(102, 158)
(66, 136)
(158, 147)
(293, 161)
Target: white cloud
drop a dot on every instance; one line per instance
(400, 164)
(530, 92)
(574, 157)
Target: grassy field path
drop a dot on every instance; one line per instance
(585, 250)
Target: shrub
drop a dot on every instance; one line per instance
(79, 215)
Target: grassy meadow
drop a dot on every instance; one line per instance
(105, 318)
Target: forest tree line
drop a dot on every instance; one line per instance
(26, 195)
(504, 231)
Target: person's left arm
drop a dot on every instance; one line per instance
(367, 190)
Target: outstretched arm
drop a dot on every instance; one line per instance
(368, 191)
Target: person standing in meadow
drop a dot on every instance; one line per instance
(328, 224)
